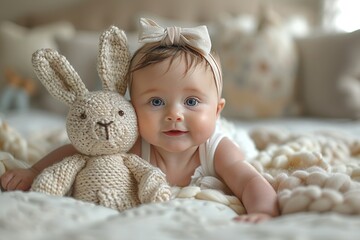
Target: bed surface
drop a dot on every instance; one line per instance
(35, 216)
(303, 124)
(293, 152)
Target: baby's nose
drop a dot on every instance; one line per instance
(175, 116)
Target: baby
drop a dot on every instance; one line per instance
(175, 86)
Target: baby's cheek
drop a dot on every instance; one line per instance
(147, 127)
(204, 126)
(143, 126)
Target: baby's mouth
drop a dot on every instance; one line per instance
(175, 133)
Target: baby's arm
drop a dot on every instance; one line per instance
(21, 179)
(257, 195)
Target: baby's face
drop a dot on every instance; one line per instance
(176, 109)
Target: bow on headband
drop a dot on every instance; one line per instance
(196, 38)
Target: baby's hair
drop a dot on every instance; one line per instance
(153, 53)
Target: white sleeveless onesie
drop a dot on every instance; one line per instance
(205, 175)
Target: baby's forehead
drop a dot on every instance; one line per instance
(152, 63)
(187, 64)
(174, 68)
(169, 75)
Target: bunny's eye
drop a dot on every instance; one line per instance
(121, 113)
(83, 115)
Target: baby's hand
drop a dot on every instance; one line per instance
(253, 218)
(18, 179)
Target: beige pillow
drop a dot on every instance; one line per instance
(81, 51)
(18, 43)
(330, 74)
(259, 69)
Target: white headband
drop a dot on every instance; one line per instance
(196, 38)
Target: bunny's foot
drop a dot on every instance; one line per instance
(116, 199)
(154, 187)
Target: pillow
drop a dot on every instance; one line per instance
(330, 74)
(259, 68)
(81, 50)
(18, 43)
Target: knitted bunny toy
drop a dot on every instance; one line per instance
(102, 126)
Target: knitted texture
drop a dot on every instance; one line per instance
(316, 172)
(11, 141)
(310, 171)
(102, 126)
(17, 151)
(114, 48)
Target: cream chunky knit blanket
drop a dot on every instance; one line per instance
(316, 172)
(311, 172)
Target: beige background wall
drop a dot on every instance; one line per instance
(14, 9)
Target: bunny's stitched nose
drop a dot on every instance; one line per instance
(106, 125)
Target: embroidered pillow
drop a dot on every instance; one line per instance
(259, 69)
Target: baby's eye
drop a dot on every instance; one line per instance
(191, 101)
(156, 102)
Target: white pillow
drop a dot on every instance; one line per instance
(330, 74)
(259, 68)
(17, 44)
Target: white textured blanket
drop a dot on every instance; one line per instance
(36, 216)
(315, 174)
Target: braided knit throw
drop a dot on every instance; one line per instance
(311, 172)
(16, 151)
(316, 172)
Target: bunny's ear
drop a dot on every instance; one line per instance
(113, 60)
(57, 75)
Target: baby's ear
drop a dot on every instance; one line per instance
(220, 106)
(113, 60)
(57, 75)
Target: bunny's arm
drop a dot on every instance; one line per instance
(58, 178)
(153, 186)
